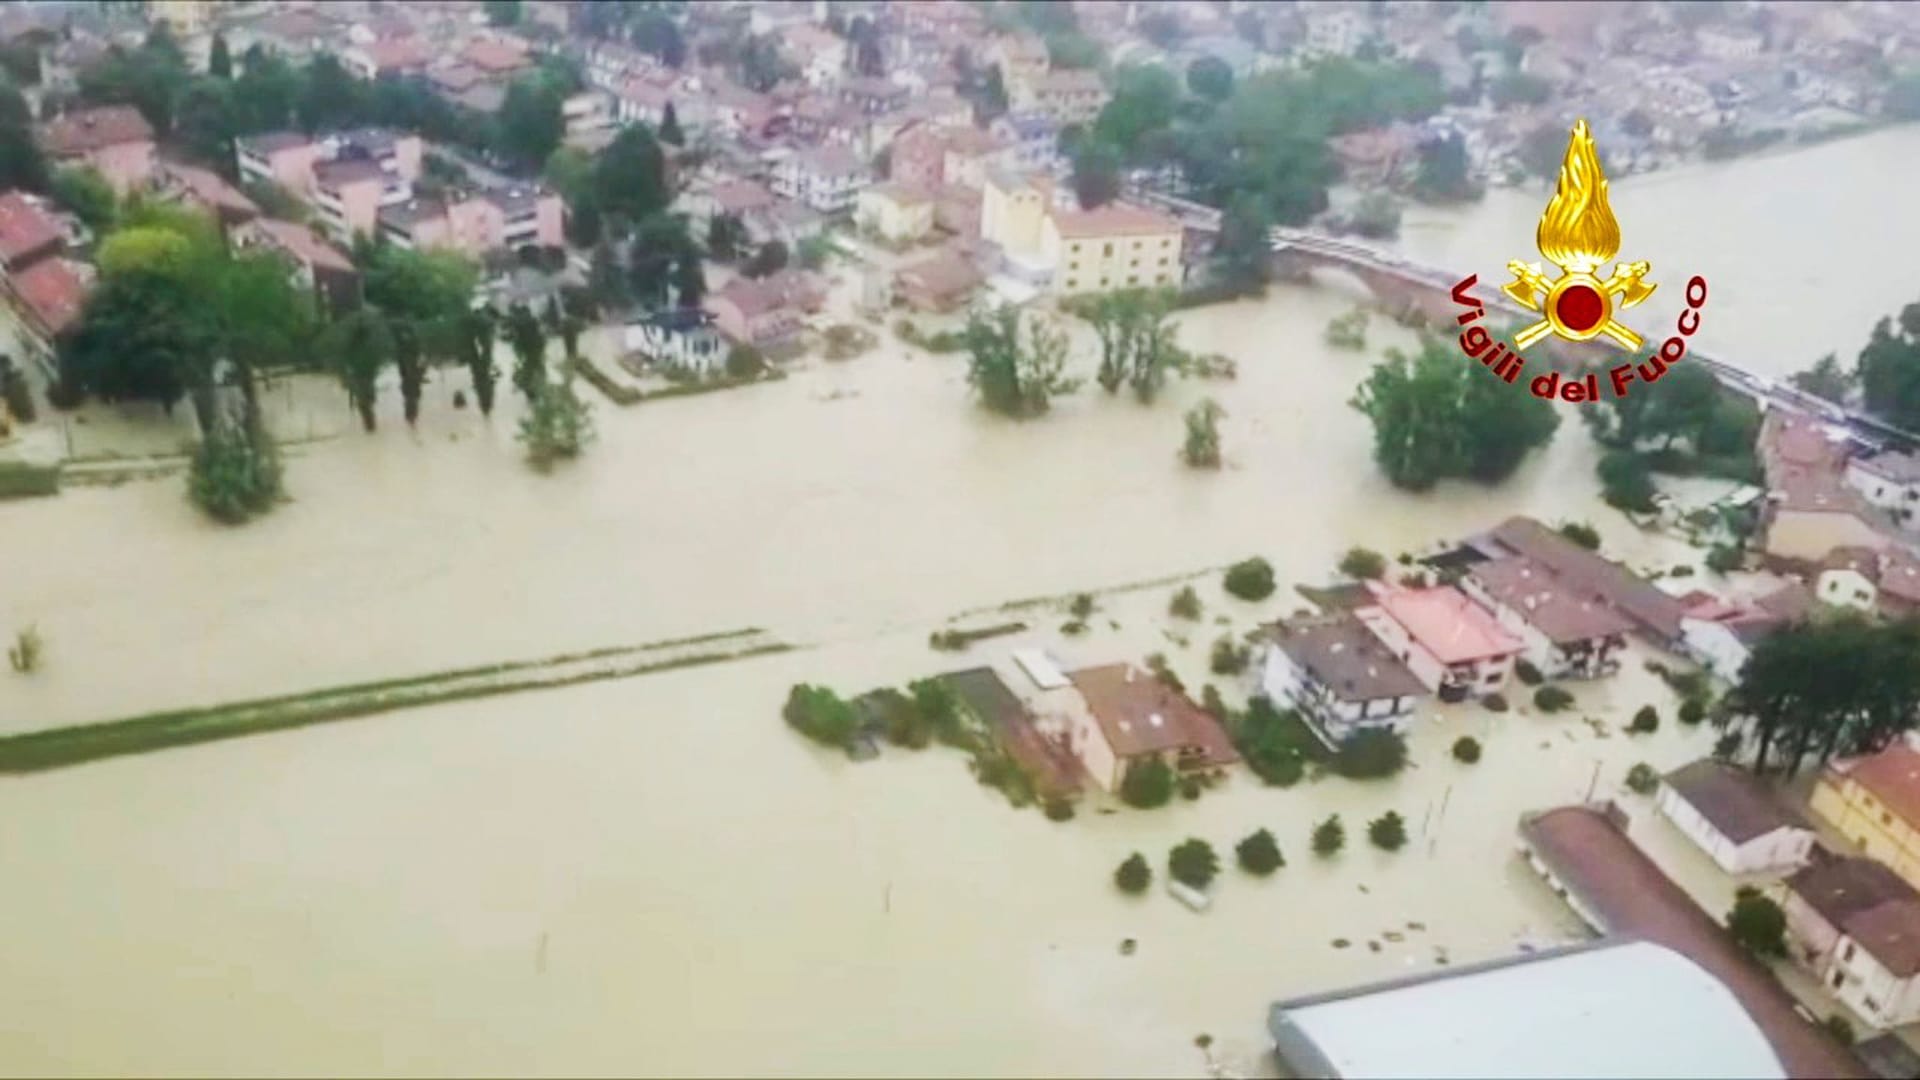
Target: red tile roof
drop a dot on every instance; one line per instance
(495, 56)
(93, 129)
(53, 294)
(1447, 624)
(1869, 903)
(208, 188)
(298, 240)
(1139, 715)
(26, 231)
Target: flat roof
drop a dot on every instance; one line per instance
(1614, 1008)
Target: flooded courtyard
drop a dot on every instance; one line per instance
(653, 875)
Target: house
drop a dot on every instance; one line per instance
(917, 156)
(941, 282)
(349, 195)
(1614, 1007)
(995, 708)
(1339, 675)
(208, 190)
(44, 289)
(1734, 817)
(115, 140)
(1889, 480)
(1655, 614)
(1021, 58)
(1013, 207)
(970, 152)
(496, 57)
(1874, 800)
(644, 100)
(732, 196)
(1033, 140)
(1856, 924)
(1066, 96)
(1132, 717)
(826, 178)
(28, 231)
(1871, 580)
(1583, 854)
(389, 56)
(1451, 644)
(874, 97)
(283, 158)
(1721, 636)
(956, 209)
(1116, 246)
(819, 53)
(317, 265)
(754, 313)
(1810, 507)
(895, 212)
(683, 339)
(587, 113)
(1568, 634)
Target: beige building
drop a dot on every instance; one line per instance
(1116, 246)
(1011, 210)
(896, 213)
(1874, 801)
(1811, 510)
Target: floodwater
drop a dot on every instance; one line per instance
(652, 875)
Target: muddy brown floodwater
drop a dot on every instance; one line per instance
(652, 875)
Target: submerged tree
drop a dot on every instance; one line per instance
(1435, 416)
(529, 344)
(476, 338)
(1013, 376)
(1202, 448)
(361, 347)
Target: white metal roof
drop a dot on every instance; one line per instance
(1041, 669)
(1632, 1009)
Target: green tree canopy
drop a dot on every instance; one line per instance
(1436, 416)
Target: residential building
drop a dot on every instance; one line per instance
(1721, 636)
(682, 339)
(497, 56)
(1810, 509)
(874, 97)
(1856, 924)
(995, 708)
(1874, 801)
(1889, 480)
(1132, 717)
(819, 53)
(970, 153)
(284, 158)
(941, 282)
(826, 178)
(1021, 58)
(1451, 644)
(44, 289)
(706, 199)
(317, 264)
(388, 56)
(1066, 96)
(1033, 139)
(476, 223)
(956, 209)
(918, 155)
(1116, 246)
(1616, 1008)
(208, 190)
(1733, 816)
(1847, 577)
(1339, 675)
(755, 313)
(1585, 857)
(349, 195)
(644, 100)
(1013, 207)
(1335, 31)
(588, 112)
(28, 231)
(897, 213)
(1655, 614)
(1569, 634)
(115, 140)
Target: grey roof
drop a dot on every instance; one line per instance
(1733, 800)
(984, 693)
(1585, 572)
(1548, 602)
(1343, 655)
(1894, 465)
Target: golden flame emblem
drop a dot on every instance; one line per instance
(1578, 234)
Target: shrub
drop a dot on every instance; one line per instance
(1388, 831)
(1692, 711)
(1371, 754)
(1273, 743)
(1495, 702)
(1581, 533)
(1147, 784)
(1192, 862)
(25, 652)
(1058, 809)
(1551, 699)
(1185, 604)
(1727, 745)
(1645, 722)
(1683, 570)
(1134, 875)
(1157, 663)
(820, 715)
(1259, 854)
(1189, 788)
(557, 425)
(1466, 750)
(1073, 628)
(1363, 565)
(1641, 779)
(1211, 701)
(1251, 579)
(1840, 1028)
(901, 721)
(745, 362)
(1082, 606)
(234, 476)
(15, 392)
(1527, 673)
(1725, 559)
(1757, 923)
(947, 640)
(1329, 836)
(1230, 657)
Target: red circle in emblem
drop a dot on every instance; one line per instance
(1580, 308)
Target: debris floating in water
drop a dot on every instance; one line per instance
(1341, 943)
(1127, 945)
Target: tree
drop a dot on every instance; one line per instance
(1134, 875)
(20, 63)
(629, 176)
(1193, 863)
(530, 124)
(745, 362)
(1202, 447)
(1271, 742)
(1551, 699)
(557, 424)
(502, 12)
(769, 260)
(1645, 722)
(1582, 534)
(1137, 343)
(689, 280)
(329, 97)
(1889, 369)
(670, 132)
(219, 60)
(1542, 149)
(1329, 837)
(1466, 750)
(1376, 216)
(1185, 604)
(1436, 417)
(1016, 375)
(529, 344)
(1147, 784)
(84, 192)
(476, 339)
(820, 714)
(1442, 174)
(406, 359)
(21, 163)
(1842, 685)
(726, 237)
(606, 284)
(1827, 379)
(1250, 579)
(1626, 482)
(1096, 174)
(1371, 753)
(235, 473)
(1210, 77)
(1363, 565)
(1259, 854)
(1519, 88)
(1757, 923)
(361, 347)
(1388, 831)
(1241, 256)
(1144, 97)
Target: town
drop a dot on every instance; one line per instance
(1002, 475)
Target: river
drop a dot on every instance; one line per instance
(652, 876)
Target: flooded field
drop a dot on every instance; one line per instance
(651, 875)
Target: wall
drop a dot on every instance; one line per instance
(1099, 263)
(1848, 589)
(1809, 535)
(1874, 830)
(1715, 646)
(1090, 746)
(126, 166)
(1012, 219)
(1778, 850)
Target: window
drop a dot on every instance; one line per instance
(1163, 260)
(1847, 953)
(1108, 250)
(1075, 248)
(1133, 279)
(1839, 977)
(1073, 283)
(1135, 262)
(1886, 818)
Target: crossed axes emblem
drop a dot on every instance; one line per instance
(1533, 290)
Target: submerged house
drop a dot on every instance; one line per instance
(1132, 717)
(1451, 644)
(1567, 633)
(1856, 925)
(1339, 675)
(1733, 816)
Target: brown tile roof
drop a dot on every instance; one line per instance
(26, 231)
(904, 194)
(1733, 800)
(1868, 902)
(1631, 897)
(1900, 575)
(93, 129)
(1139, 715)
(1547, 602)
(271, 142)
(753, 298)
(207, 187)
(496, 57)
(1585, 572)
(741, 196)
(1340, 653)
(1891, 776)
(944, 275)
(53, 292)
(350, 171)
(298, 240)
(398, 54)
(1113, 219)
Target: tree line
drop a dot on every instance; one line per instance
(1885, 378)
(1818, 689)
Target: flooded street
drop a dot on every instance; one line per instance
(653, 875)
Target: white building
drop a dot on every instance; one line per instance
(826, 178)
(1890, 481)
(683, 340)
(1856, 924)
(1732, 816)
(1338, 674)
(1335, 32)
(1721, 637)
(1567, 634)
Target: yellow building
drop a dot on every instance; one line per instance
(896, 213)
(185, 18)
(1116, 246)
(1874, 802)
(1012, 209)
